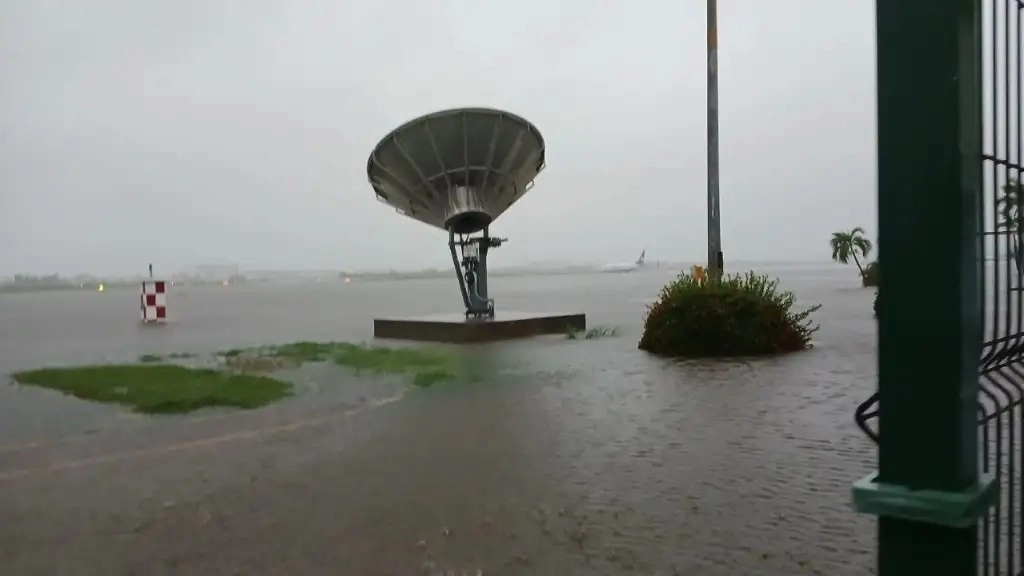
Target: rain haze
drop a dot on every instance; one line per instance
(309, 383)
(195, 132)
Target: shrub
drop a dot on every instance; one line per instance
(741, 315)
(870, 277)
(876, 305)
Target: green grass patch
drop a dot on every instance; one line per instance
(159, 388)
(255, 364)
(592, 333)
(425, 366)
(154, 358)
(428, 378)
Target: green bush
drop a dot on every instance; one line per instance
(741, 315)
(870, 277)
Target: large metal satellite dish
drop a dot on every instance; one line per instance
(459, 170)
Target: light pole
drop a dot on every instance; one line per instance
(716, 261)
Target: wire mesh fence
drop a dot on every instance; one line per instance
(1001, 384)
(1001, 274)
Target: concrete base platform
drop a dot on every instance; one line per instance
(456, 328)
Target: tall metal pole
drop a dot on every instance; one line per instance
(715, 259)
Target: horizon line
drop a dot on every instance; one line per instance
(336, 270)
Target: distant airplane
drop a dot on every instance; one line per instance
(625, 266)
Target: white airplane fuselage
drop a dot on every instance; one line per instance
(625, 266)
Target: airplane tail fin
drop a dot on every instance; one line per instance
(640, 260)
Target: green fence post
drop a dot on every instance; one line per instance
(928, 493)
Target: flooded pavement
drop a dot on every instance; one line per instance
(548, 456)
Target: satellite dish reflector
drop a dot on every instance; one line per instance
(457, 170)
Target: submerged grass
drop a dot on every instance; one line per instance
(159, 388)
(426, 366)
(154, 387)
(153, 358)
(593, 333)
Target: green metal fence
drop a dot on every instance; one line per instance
(950, 434)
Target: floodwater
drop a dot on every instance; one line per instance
(548, 456)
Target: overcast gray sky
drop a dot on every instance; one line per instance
(211, 131)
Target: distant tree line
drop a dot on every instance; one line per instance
(32, 280)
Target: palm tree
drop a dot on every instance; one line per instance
(1010, 217)
(846, 245)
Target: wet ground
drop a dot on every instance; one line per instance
(550, 456)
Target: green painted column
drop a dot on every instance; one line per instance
(927, 492)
